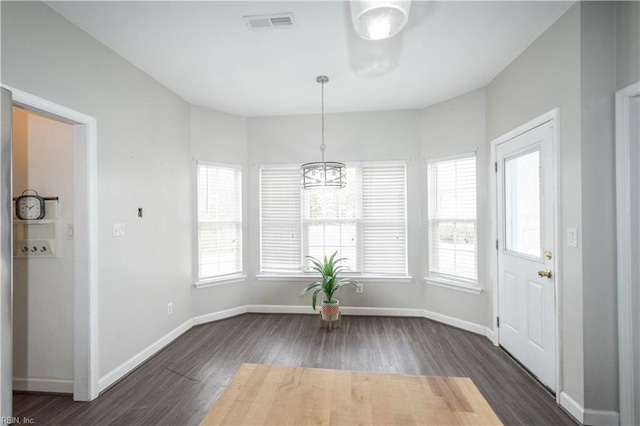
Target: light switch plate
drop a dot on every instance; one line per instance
(118, 229)
(572, 237)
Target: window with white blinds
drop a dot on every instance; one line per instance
(365, 221)
(219, 193)
(452, 217)
(384, 219)
(331, 221)
(280, 230)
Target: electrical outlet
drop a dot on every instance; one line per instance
(170, 308)
(359, 288)
(118, 229)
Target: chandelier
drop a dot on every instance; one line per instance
(324, 174)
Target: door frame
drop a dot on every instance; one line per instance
(85, 143)
(552, 116)
(625, 282)
(6, 257)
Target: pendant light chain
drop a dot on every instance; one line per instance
(323, 147)
(323, 174)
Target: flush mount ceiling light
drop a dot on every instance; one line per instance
(379, 19)
(325, 174)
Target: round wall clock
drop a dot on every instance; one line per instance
(30, 207)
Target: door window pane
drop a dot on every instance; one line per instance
(523, 204)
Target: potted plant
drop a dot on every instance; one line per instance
(329, 269)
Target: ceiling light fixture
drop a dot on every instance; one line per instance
(324, 174)
(379, 19)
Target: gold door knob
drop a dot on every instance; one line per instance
(546, 273)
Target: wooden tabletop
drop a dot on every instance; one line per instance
(273, 395)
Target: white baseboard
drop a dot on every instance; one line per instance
(572, 407)
(126, 367)
(465, 325)
(347, 310)
(388, 312)
(216, 316)
(588, 416)
(385, 312)
(37, 384)
(133, 362)
(491, 335)
(601, 417)
(280, 309)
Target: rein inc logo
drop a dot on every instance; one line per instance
(17, 421)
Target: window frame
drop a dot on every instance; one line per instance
(305, 222)
(228, 278)
(302, 274)
(456, 282)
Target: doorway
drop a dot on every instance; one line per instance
(526, 245)
(43, 276)
(85, 312)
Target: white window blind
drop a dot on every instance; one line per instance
(365, 221)
(384, 219)
(219, 220)
(452, 217)
(280, 219)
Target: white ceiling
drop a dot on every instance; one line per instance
(204, 52)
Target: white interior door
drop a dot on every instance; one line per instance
(526, 279)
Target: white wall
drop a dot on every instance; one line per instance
(221, 138)
(43, 287)
(143, 161)
(598, 84)
(547, 75)
(371, 136)
(455, 127)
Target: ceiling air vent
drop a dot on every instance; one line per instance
(265, 22)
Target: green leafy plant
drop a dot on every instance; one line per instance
(329, 269)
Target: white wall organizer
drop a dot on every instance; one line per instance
(37, 238)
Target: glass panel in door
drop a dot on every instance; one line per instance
(523, 204)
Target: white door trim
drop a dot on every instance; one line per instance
(554, 117)
(85, 144)
(625, 262)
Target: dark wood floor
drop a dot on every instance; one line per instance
(180, 383)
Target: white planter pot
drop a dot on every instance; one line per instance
(330, 310)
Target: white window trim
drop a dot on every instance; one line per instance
(362, 278)
(221, 279)
(453, 281)
(460, 156)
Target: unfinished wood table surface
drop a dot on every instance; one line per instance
(273, 395)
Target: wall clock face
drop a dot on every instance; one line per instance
(30, 207)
